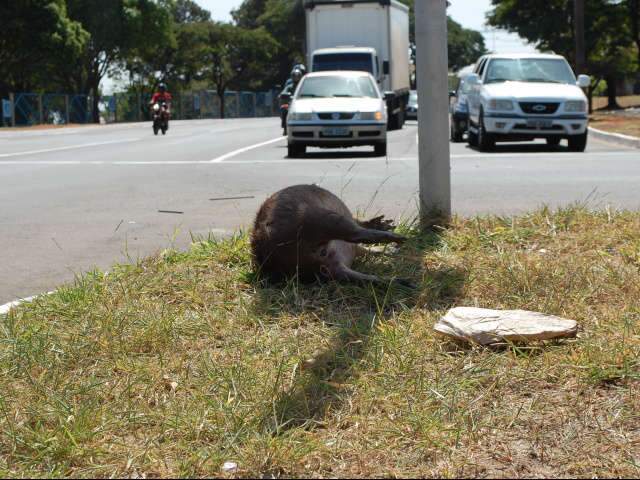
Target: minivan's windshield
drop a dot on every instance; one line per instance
(337, 86)
(529, 70)
(361, 62)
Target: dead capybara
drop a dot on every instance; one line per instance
(307, 231)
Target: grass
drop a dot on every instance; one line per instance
(624, 124)
(173, 365)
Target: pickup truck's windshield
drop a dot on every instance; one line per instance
(335, 86)
(547, 70)
(324, 62)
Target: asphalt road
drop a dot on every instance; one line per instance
(75, 198)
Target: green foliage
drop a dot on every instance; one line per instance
(464, 45)
(238, 56)
(609, 31)
(31, 34)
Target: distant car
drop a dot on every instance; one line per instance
(412, 106)
(337, 109)
(459, 110)
(519, 97)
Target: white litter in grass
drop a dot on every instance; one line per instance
(229, 467)
(486, 326)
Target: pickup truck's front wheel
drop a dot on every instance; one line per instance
(486, 142)
(577, 143)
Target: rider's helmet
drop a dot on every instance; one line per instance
(300, 67)
(162, 87)
(296, 75)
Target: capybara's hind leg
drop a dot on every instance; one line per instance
(322, 224)
(377, 223)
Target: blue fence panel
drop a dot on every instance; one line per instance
(54, 109)
(33, 108)
(26, 109)
(79, 109)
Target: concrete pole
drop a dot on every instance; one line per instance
(433, 114)
(578, 19)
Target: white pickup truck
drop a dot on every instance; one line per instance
(520, 97)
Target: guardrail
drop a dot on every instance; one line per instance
(26, 109)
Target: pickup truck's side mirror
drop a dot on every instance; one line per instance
(385, 67)
(583, 81)
(472, 79)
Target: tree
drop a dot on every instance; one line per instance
(32, 33)
(119, 29)
(285, 22)
(607, 33)
(464, 45)
(237, 57)
(179, 60)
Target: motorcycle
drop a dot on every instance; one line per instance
(160, 117)
(285, 99)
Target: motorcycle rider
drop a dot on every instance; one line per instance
(296, 75)
(162, 95)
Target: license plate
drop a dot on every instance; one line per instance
(336, 132)
(539, 123)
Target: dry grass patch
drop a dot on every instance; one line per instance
(174, 365)
(616, 122)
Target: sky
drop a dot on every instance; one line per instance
(469, 13)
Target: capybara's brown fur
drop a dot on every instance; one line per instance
(307, 231)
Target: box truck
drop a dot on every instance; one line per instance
(370, 35)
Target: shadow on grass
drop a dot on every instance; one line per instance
(352, 311)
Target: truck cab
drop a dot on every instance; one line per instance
(348, 58)
(363, 35)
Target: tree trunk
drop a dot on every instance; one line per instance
(221, 97)
(590, 91)
(612, 104)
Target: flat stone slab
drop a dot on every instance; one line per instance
(486, 326)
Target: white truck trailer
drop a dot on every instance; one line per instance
(370, 35)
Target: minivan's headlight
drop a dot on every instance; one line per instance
(300, 116)
(377, 115)
(496, 104)
(575, 106)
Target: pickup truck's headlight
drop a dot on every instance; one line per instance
(575, 106)
(371, 115)
(497, 104)
(300, 116)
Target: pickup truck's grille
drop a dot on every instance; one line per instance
(540, 108)
(340, 115)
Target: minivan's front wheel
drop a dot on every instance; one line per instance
(380, 149)
(577, 143)
(294, 150)
(456, 131)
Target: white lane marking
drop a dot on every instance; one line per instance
(308, 160)
(71, 147)
(246, 149)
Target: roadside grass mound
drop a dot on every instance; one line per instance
(615, 122)
(183, 361)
